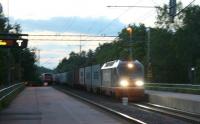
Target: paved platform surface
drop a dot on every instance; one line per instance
(182, 101)
(45, 105)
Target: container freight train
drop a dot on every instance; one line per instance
(47, 79)
(115, 78)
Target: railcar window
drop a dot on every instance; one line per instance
(123, 70)
(48, 75)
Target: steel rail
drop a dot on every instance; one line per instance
(119, 114)
(190, 117)
(174, 110)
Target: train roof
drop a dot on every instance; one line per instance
(116, 63)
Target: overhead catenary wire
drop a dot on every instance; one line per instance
(73, 35)
(129, 7)
(185, 7)
(67, 40)
(121, 14)
(104, 28)
(150, 7)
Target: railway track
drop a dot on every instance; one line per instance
(105, 108)
(133, 112)
(190, 117)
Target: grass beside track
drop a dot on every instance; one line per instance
(174, 88)
(8, 99)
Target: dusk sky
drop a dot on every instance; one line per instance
(80, 17)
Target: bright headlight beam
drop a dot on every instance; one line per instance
(124, 83)
(139, 83)
(130, 65)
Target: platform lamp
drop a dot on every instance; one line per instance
(130, 31)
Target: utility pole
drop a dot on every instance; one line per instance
(149, 69)
(129, 29)
(80, 45)
(38, 57)
(148, 45)
(172, 10)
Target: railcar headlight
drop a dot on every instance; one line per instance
(130, 65)
(124, 83)
(139, 83)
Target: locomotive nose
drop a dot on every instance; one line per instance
(124, 83)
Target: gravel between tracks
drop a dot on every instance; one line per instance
(144, 115)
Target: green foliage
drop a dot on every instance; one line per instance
(3, 63)
(42, 70)
(28, 59)
(18, 63)
(175, 48)
(117, 49)
(182, 49)
(74, 61)
(174, 89)
(163, 18)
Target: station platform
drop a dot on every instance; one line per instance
(181, 101)
(45, 105)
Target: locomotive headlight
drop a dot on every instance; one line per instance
(139, 83)
(130, 65)
(124, 83)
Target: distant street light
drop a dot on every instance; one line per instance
(130, 30)
(192, 69)
(192, 74)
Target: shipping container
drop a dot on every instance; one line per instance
(96, 77)
(88, 78)
(82, 76)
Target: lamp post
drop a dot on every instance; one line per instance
(129, 30)
(148, 45)
(149, 69)
(192, 74)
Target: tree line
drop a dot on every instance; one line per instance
(16, 64)
(174, 48)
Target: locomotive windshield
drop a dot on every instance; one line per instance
(48, 75)
(136, 70)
